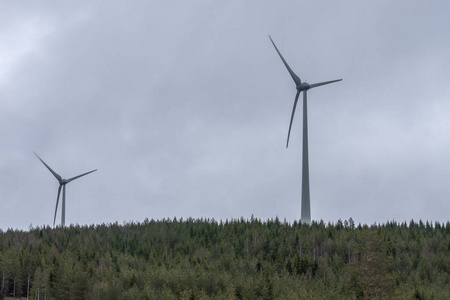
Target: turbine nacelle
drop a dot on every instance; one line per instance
(303, 86)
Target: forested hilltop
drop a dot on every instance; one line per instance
(238, 259)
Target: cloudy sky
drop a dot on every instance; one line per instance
(184, 107)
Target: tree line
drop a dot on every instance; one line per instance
(231, 259)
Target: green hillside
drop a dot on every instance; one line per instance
(238, 259)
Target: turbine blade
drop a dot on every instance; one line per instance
(297, 80)
(292, 117)
(73, 178)
(57, 201)
(322, 83)
(50, 169)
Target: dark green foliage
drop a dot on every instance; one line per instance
(238, 259)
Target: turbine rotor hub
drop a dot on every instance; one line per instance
(303, 86)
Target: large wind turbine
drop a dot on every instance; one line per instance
(62, 183)
(302, 87)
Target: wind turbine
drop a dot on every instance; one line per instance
(62, 183)
(302, 87)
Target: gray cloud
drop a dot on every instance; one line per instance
(184, 109)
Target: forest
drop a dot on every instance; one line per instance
(231, 259)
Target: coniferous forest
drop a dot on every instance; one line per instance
(237, 259)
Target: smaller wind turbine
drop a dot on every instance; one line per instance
(62, 183)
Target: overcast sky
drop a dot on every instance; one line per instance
(184, 107)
